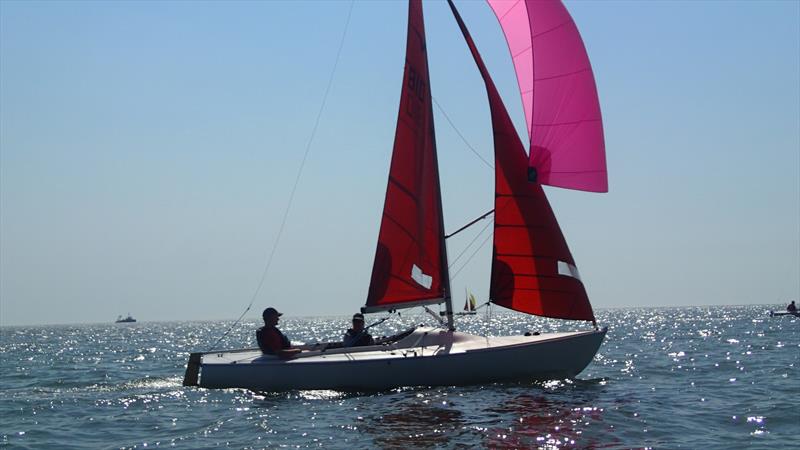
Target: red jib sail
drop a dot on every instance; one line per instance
(558, 92)
(532, 267)
(410, 262)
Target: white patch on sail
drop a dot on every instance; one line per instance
(565, 268)
(421, 279)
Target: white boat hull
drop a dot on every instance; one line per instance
(427, 357)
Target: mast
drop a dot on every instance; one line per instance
(448, 296)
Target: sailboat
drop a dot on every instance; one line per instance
(470, 304)
(532, 268)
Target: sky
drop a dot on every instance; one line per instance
(148, 152)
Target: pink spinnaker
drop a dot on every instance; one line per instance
(558, 92)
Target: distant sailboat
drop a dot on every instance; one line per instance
(532, 268)
(470, 304)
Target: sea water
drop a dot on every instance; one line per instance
(717, 377)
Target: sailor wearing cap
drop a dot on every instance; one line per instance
(270, 339)
(357, 336)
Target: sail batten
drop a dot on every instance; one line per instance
(530, 253)
(410, 266)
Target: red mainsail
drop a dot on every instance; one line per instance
(411, 262)
(532, 267)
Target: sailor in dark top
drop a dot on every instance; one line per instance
(791, 308)
(270, 339)
(357, 336)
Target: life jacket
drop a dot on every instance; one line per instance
(354, 338)
(264, 332)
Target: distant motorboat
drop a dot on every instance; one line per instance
(128, 319)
